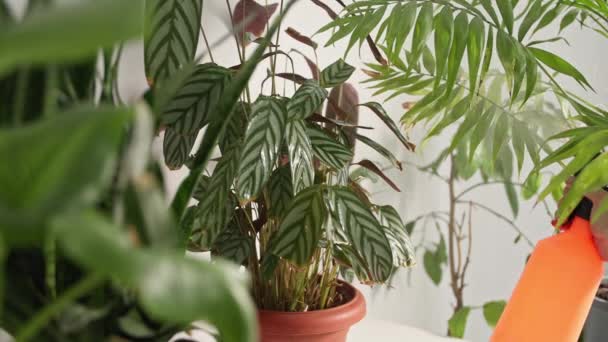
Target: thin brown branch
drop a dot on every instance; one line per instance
(500, 216)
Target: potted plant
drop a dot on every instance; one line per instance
(89, 249)
(280, 199)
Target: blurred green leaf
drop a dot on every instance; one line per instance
(54, 164)
(432, 266)
(591, 178)
(409, 227)
(512, 197)
(147, 211)
(169, 284)
(531, 185)
(458, 322)
(69, 31)
(492, 311)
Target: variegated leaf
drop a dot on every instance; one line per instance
(202, 186)
(217, 206)
(403, 251)
(336, 74)
(306, 100)
(301, 229)
(328, 150)
(194, 103)
(349, 258)
(172, 28)
(281, 191)
(300, 155)
(261, 146)
(363, 231)
(177, 147)
(233, 244)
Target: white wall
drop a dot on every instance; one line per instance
(496, 261)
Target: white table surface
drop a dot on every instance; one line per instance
(369, 330)
(377, 330)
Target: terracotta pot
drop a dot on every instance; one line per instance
(329, 325)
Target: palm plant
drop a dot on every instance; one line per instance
(425, 44)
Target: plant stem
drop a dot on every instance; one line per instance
(500, 216)
(452, 237)
(40, 320)
(475, 186)
(207, 43)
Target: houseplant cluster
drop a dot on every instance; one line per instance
(88, 246)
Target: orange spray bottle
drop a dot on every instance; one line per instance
(555, 292)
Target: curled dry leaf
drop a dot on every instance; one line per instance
(343, 104)
(249, 17)
(293, 33)
(368, 164)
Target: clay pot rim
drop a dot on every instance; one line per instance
(354, 301)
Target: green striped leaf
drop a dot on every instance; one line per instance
(336, 74)
(173, 30)
(216, 207)
(364, 232)
(280, 191)
(352, 260)
(300, 155)
(194, 103)
(301, 229)
(328, 150)
(403, 251)
(177, 147)
(200, 191)
(233, 244)
(261, 147)
(306, 100)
